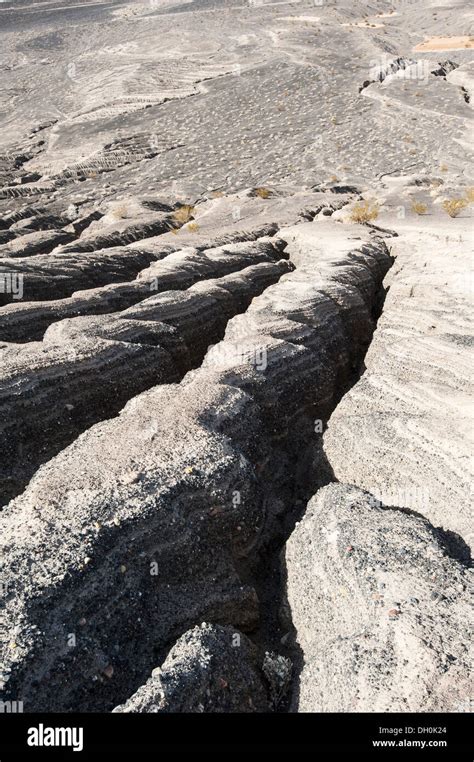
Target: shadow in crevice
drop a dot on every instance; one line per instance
(455, 546)
(311, 471)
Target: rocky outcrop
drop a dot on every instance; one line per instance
(75, 376)
(209, 669)
(134, 545)
(34, 243)
(57, 275)
(145, 524)
(178, 270)
(463, 76)
(379, 607)
(380, 71)
(402, 432)
(174, 389)
(443, 68)
(123, 232)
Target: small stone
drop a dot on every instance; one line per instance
(123, 569)
(393, 613)
(82, 622)
(131, 477)
(108, 671)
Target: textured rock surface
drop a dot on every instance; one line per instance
(209, 669)
(146, 194)
(177, 270)
(39, 242)
(403, 432)
(73, 378)
(190, 477)
(52, 276)
(379, 607)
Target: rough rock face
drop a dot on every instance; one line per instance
(379, 607)
(100, 235)
(177, 270)
(190, 477)
(146, 196)
(73, 378)
(209, 669)
(402, 431)
(141, 544)
(38, 242)
(58, 275)
(463, 76)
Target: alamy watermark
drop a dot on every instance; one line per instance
(223, 355)
(11, 283)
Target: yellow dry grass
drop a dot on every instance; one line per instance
(183, 214)
(419, 207)
(365, 211)
(454, 206)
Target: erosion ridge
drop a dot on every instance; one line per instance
(199, 510)
(235, 369)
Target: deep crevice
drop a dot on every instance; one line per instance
(292, 476)
(310, 470)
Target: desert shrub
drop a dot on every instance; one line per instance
(193, 227)
(419, 207)
(262, 192)
(470, 195)
(453, 206)
(184, 213)
(365, 211)
(278, 671)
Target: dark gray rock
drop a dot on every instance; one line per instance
(209, 669)
(379, 607)
(86, 368)
(35, 243)
(190, 477)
